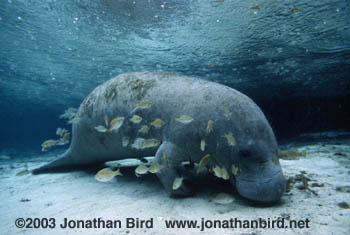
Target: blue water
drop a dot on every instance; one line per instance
(53, 53)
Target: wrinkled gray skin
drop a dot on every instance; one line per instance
(259, 177)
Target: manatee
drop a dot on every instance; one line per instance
(188, 111)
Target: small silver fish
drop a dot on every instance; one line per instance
(106, 120)
(165, 158)
(234, 169)
(66, 136)
(144, 129)
(116, 123)
(59, 131)
(23, 172)
(155, 167)
(101, 128)
(222, 198)
(135, 119)
(221, 173)
(230, 139)
(157, 123)
(177, 182)
(125, 141)
(203, 162)
(48, 144)
(62, 141)
(254, 7)
(143, 104)
(141, 143)
(74, 120)
(209, 127)
(202, 145)
(184, 119)
(69, 113)
(141, 170)
(106, 174)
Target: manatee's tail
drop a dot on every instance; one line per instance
(60, 164)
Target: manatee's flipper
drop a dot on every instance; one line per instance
(167, 175)
(64, 160)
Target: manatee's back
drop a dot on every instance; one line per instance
(171, 95)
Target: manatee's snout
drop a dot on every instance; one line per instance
(265, 184)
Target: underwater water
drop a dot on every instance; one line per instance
(291, 57)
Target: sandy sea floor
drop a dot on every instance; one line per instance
(319, 191)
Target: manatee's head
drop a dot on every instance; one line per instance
(259, 176)
(253, 163)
